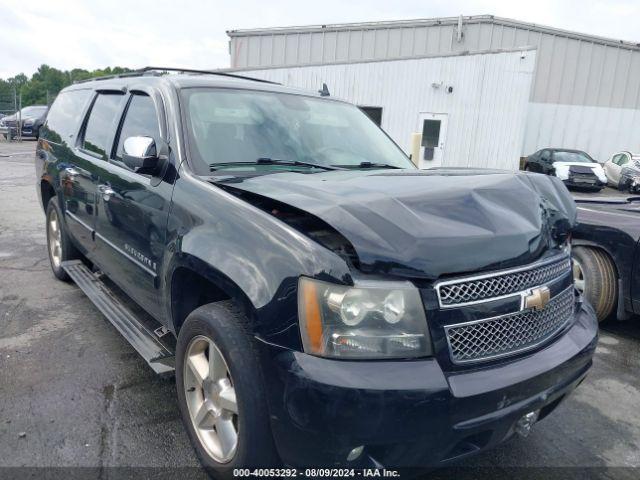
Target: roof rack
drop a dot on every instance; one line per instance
(160, 70)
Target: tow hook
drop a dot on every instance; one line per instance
(524, 424)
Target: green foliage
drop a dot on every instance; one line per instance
(44, 85)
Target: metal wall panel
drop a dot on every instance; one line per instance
(598, 67)
(600, 131)
(486, 110)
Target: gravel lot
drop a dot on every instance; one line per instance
(73, 393)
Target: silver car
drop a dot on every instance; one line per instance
(621, 168)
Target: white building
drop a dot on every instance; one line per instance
(483, 90)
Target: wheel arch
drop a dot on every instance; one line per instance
(193, 283)
(47, 192)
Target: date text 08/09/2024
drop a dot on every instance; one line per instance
(316, 473)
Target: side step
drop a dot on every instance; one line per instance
(158, 355)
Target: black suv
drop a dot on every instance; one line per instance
(31, 118)
(321, 300)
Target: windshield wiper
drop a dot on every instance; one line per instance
(274, 161)
(369, 165)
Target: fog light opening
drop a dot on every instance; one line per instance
(355, 453)
(524, 424)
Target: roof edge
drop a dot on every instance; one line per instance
(392, 24)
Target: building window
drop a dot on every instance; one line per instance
(431, 133)
(374, 113)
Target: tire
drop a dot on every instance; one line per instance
(59, 245)
(224, 325)
(595, 275)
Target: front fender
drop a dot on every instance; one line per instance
(249, 250)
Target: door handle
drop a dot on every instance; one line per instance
(106, 192)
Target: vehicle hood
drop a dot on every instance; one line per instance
(427, 223)
(14, 117)
(562, 169)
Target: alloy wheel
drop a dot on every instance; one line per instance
(55, 238)
(211, 399)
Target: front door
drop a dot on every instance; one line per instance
(132, 212)
(434, 132)
(613, 168)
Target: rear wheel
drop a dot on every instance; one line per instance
(595, 277)
(221, 392)
(58, 242)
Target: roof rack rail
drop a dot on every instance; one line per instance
(159, 70)
(133, 73)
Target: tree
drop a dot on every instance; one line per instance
(44, 84)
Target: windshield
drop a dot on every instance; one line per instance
(232, 126)
(580, 157)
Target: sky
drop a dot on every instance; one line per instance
(192, 33)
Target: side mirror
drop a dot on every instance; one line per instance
(140, 155)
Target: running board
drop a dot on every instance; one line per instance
(157, 354)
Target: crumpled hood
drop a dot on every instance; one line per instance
(562, 169)
(426, 223)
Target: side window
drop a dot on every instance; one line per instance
(545, 156)
(100, 124)
(140, 120)
(623, 160)
(63, 120)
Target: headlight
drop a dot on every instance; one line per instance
(28, 122)
(370, 320)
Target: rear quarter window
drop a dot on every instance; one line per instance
(63, 119)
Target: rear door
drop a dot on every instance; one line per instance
(133, 208)
(57, 147)
(79, 176)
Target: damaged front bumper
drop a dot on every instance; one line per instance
(412, 413)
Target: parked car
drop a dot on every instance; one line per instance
(31, 117)
(606, 253)
(622, 169)
(574, 167)
(320, 300)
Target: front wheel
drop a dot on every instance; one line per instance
(594, 275)
(221, 393)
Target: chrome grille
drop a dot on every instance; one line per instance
(469, 290)
(496, 337)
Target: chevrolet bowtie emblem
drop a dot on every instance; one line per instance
(537, 298)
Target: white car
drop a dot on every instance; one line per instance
(574, 167)
(617, 163)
